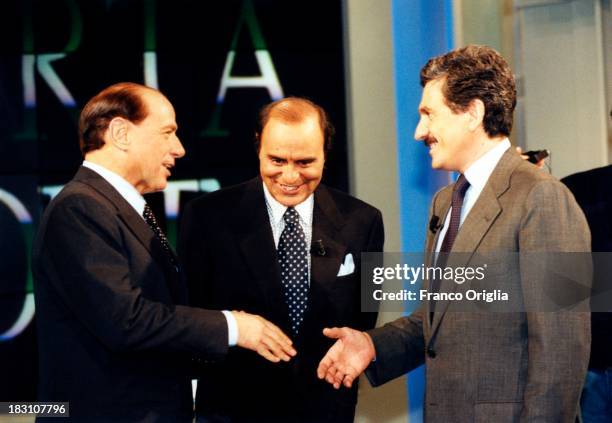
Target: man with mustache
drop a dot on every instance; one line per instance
(481, 367)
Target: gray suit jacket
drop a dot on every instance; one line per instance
(498, 367)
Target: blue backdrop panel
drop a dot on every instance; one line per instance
(421, 29)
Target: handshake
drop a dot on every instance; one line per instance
(343, 363)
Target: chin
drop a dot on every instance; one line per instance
(290, 201)
(437, 164)
(160, 187)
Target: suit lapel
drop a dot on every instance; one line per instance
(440, 209)
(471, 233)
(326, 225)
(478, 222)
(135, 224)
(254, 235)
(487, 207)
(441, 206)
(145, 235)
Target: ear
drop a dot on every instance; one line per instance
(476, 111)
(117, 129)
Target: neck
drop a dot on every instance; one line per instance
(105, 159)
(481, 146)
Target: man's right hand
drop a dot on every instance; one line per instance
(347, 358)
(257, 334)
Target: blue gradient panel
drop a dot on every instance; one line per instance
(421, 29)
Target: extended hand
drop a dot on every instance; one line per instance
(347, 358)
(257, 334)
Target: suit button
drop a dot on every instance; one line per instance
(431, 352)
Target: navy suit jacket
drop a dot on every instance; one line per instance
(593, 192)
(231, 263)
(115, 339)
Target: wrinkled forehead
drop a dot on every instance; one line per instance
(293, 116)
(305, 133)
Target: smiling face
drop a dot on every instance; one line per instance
(291, 158)
(445, 132)
(153, 145)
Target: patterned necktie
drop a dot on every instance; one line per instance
(293, 260)
(159, 234)
(459, 190)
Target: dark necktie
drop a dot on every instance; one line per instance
(293, 260)
(459, 190)
(159, 234)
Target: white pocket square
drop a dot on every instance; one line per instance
(347, 267)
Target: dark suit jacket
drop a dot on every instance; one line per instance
(231, 263)
(593, 192)
(498, 367)
(114, 340)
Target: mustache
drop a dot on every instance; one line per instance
(429, 140)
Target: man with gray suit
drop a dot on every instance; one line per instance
(501, 367)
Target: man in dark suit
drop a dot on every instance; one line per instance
(115, 338)
(593, 192)
(287, 247)
(482, 367)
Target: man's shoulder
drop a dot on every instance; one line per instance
(532, 190)
(529, 178)
(76, 201)
(592, 183)
(588, 175)
(346, 201)
(79, 194)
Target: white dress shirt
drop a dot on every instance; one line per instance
(276, 211)
(137, 201)
(477, 175)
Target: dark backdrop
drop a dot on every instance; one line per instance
(56, 54)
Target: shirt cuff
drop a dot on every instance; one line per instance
(232, 328)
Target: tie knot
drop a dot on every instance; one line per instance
(291, 216)
(461, 185)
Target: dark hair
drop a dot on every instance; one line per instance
(294, 110)
(476, 72)
(119, 100)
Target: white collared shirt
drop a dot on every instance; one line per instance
(276, 211)
(123, 187)
(137, 201)
(477, 175)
